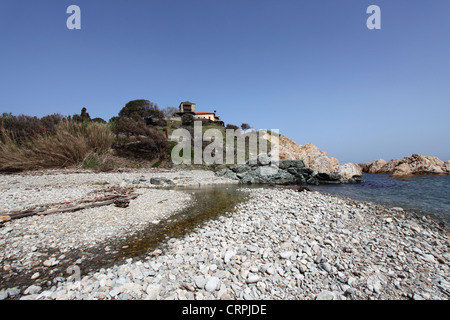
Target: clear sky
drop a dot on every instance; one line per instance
(309, 68)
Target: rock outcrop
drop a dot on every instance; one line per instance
(413, 165)
(314, 158)
(263, 170)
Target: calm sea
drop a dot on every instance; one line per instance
(423, 194)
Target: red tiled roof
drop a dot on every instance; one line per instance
(204, 113)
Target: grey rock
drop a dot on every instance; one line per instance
(229, 255)
(161, 180)
(286, 254)
(200, 282)
(240, 168)
(3, 295)
(35, 276)
(417, 297)
(253, 278)
(33, 289)
(212, 284)
(13, 292)
(248, 297)
(325, 295)
(325, 266)
(286, 164)
(153, 291)
(264, 159)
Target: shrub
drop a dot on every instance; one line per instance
(102, 162)
(231, 126)
(187, 119)
(141, 108)
(99, 120)
(135, 139)
(69, 145)
(49, 122)
(21, 127)
(128, 126)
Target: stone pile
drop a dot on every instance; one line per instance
(264, 170)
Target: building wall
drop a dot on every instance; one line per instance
(205, 116)
(192, 108)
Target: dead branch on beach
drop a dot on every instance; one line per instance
(120, 197)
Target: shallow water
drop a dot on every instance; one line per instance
(209, 202)
(428, 195)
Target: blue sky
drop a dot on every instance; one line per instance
(309, 68)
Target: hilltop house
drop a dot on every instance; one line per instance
(188, 107)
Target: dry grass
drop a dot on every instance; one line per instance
(69, 145)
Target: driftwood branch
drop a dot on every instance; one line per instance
(70, 207)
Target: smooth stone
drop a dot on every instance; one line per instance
(253, 278)
(212, 284)
(325, 295)
(286, 254)
(35, 276)
(33, 290)
(200, 282)
(153, 292)
(228, 256)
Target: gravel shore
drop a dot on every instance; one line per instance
(280, 244)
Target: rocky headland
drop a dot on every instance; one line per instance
(263, 169)
(314, 158)
(408, 166)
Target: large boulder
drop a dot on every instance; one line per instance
(310, 154)
(377, 165)
(402, 170)
(240, 168)
(415, 164)
(227, 173)
(285, 164)
(446, 167)
(326, 178)
(348, 170)
(263, 170)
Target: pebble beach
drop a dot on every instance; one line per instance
(278, 244)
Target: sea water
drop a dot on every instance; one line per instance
(427, 194)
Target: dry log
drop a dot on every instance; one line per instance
(86, 204)
(4, 218)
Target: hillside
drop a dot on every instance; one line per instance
(314, 158)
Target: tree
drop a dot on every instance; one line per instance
(187, 119)
(22, 127)
(245, 126)
(141, 108)
(49, 122)
(128, 126)
(83, 116)
(231, 126)
(170, 112)
(99, 120)
(138, 140)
